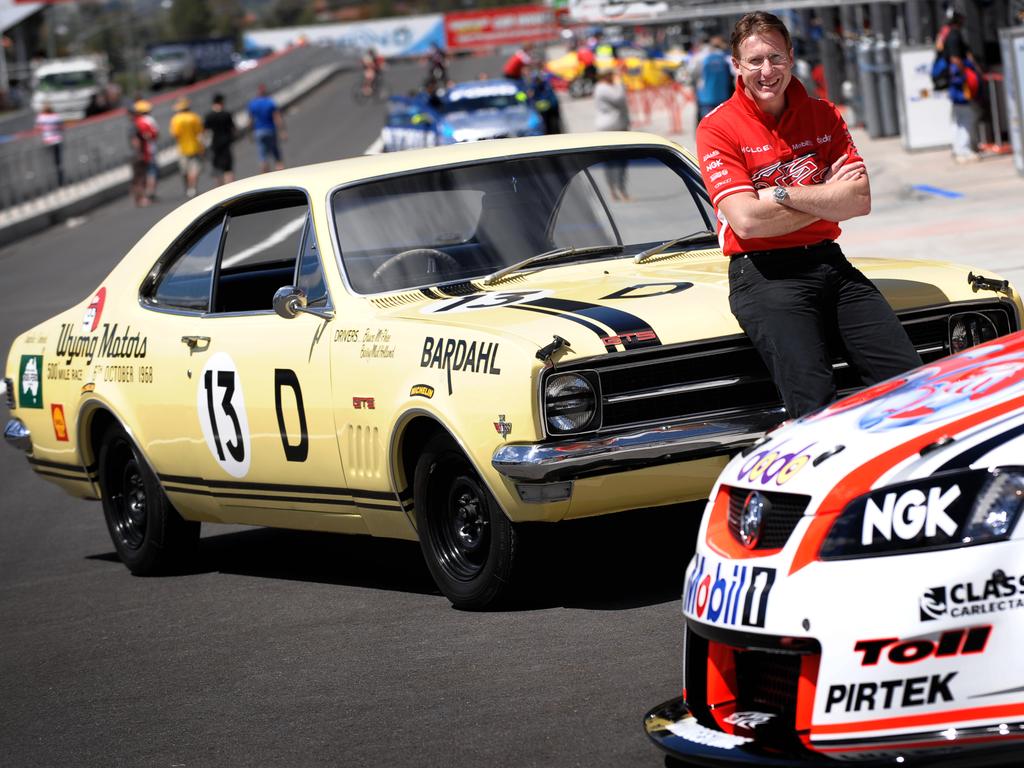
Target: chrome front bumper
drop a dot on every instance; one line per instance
(17, 435)
(570, 459)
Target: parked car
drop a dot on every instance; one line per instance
(437, 344)
(857, 592)
(184, 62)
(73, 86)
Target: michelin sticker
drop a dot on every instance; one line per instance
(222, 415)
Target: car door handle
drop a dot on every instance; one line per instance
(196, 343)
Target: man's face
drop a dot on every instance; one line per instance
(766, 67)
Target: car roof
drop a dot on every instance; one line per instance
(320, 178)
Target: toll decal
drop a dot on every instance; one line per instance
(60, 425)
(222, 415)
(733, 595)
(91, 318)
(30, 382)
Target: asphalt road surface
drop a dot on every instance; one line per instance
(284, 648)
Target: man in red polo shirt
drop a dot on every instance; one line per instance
(782, 171)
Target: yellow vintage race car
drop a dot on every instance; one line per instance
(437, 344)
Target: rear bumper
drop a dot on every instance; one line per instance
(570, 459)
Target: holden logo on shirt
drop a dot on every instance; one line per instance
(802, 170)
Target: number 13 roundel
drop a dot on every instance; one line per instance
(221, 409)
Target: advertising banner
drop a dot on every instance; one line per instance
(926, 115)
(404, 36)
(612, 11)
(1011, 43)
(490, 27)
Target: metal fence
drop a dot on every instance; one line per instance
(101, 143)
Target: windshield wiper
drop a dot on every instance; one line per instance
(541, 258)
(703, 234)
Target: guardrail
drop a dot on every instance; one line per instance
(100, 143)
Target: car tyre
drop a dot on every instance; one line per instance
(148, 533)
(468, 543)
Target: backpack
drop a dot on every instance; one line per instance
(940, 72)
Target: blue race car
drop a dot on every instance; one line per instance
(487, 109)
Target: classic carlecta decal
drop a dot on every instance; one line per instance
(30, 382)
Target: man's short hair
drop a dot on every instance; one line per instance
(758, 23)
(218, 98)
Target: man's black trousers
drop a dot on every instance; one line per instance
(794, 303)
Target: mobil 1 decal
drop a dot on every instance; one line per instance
(731, 594)
(222, 415)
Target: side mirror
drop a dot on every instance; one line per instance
(289, 301)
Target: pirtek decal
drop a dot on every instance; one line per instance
(112, 345)
(459, 355)
(912, 692)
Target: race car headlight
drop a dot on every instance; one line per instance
(969, 329)
(571, 403)
(946, 510)
(997, 508)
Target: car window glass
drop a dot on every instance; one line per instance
(582, 219)
(261, 247)
(185, 283)
(310, 276)
(646, 201)
(445, 225)
(263, 236)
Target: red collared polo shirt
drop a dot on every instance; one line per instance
(743, 149)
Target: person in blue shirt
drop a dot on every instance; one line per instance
(713, 77)
(267, 129)
(545, 101)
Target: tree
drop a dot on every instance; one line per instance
(190, 19)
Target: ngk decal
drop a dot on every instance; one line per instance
(734, 594)
(909, 692)
(998, 593)
(955, 642)
(905, 515)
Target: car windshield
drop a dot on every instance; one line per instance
(468, 99)
(454, 224)
(63, 80)
(168, 55)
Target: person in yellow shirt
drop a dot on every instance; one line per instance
(187, 129)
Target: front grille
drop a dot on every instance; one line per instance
(725, 376)
(9, 392)
(784, 513)
(767, 682)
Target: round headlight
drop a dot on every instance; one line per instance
(570, 403)
(969, 329)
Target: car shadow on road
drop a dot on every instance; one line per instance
(615, 562)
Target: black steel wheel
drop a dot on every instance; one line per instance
(148, 533)
(468, 542)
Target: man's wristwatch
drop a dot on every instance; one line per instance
(780, 195)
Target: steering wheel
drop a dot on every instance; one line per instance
(445, 260)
